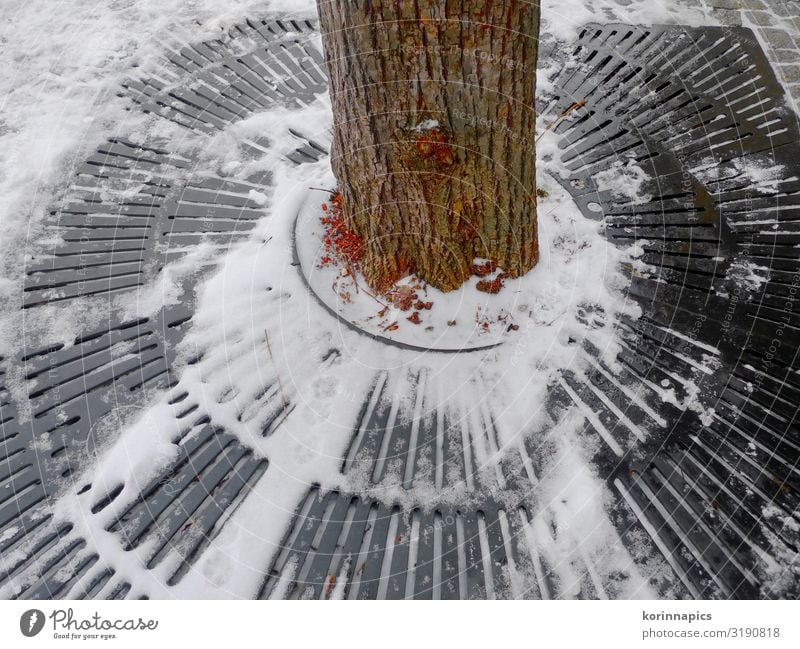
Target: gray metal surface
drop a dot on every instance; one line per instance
(682, 102)
(675, 100)
(131, 209)
(207, 86)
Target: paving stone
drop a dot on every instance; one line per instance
(793, 26)
(786, 56)
(753, 4)
(783, 10)
(779, 39)
(761, 18)
(727, 17)
(789, 73)
(726, 4)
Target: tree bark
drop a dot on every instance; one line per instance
(433, 142)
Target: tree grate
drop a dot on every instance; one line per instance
(697, 109)
(716, 495)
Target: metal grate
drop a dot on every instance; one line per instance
(259, 64)
(693, 107)
(378, 551)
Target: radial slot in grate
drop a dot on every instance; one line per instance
(132, 209)
(695, 228)
(346, 547)
(179, 513)
(76, 393)
(698, 110)
(50, 560)
(403, 446)
(259, 64)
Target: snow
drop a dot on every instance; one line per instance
(466, 318)
(574, 522)
(426, 125)
(622, 179)
(758, 170)
(563, 19)
(258, 197)
(256, 325)
(747, 274)
(58, 96)
(258, 295)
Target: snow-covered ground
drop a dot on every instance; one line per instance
(63, 65)
(257, 325)
(66, 63)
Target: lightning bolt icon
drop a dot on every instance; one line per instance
(32, 620)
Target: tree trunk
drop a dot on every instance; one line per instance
(433, 147)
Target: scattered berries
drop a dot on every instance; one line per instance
(341, 244)
(491, 285)
(432, 144)
(403, 297)
(484, 268)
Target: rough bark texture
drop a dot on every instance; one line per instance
(430, 200)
